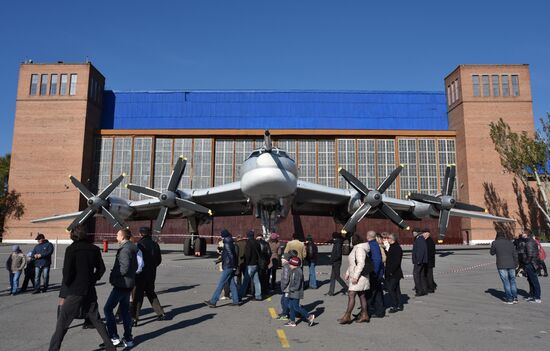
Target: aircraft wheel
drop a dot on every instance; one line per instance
(187, 248)
(200, 246)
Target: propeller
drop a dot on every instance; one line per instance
(170, 198)
(445, 202)
(97, 204)
(372, 200)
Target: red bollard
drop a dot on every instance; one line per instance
(105, 246)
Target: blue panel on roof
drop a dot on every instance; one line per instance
(275, 110)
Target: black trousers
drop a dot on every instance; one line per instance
(394, 290)
(264, 280)
(69, 311)
(273, 277)
(376, 296)
(145, 286)
(420, 279)
(335, 276)
(430, 279)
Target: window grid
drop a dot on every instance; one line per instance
(121, 164)
(408, 179)
(224, 161)
(386, 163)
(141, 165)
(485, 81)
(44, 84)
(347, 153)
(447, 156)
(366, 168)
(102, 164)
(307, 164)
(287, 145)
(63, 86)
(163, 163)
(457, 83)
(515, 85)
(72, 89)
(53, 84)
(326, 163)
(427, 166)
(202, 163)
(505, 85)
(184, 147)
(496, 85)
(475, 82)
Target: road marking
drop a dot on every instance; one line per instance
(282, 338)
(272, 312)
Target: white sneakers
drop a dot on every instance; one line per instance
(535, 301)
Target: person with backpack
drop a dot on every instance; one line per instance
(264, 258)
(394, 273)
(311, 259)
(15, 264)
(145, 280)
(296, 293)
(542, 257)
(357, 275)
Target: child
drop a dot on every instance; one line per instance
(296, 293)
(16, 264)
(285, 280)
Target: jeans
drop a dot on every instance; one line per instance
(251, 273)
(312, 277)
(14, 281)
(38, 272)
(284, 305)
(228, 275)
(294, 306)
(534, 286)
(508, 277)
(117, 296)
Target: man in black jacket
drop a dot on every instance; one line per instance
(420, 262)
(122, 279)
(252, 253)
(394, 273)
(507, 261)
(145, 281)
(82, 268)
(336, 262)
(263, 263)
(530, 266)
(430, 246)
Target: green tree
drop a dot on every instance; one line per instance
(526, 157)
(10, 204)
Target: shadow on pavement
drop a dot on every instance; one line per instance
(177, 289)
(180, 325)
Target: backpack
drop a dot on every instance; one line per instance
(368, 267)
(542, 253)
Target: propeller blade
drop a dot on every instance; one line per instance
(108, 190)
(159, 223)
(116, 221)
(468, 207)
(354, 182)
(192, 206)
(389, 180)
(177, 173)
(87, 213)
(83, 190)
(443, 223)
(356, 217)
(451, 183)
(445, 183)
(393, 216)
(144, 190)
(425, 198)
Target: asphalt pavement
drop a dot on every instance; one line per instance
(465, 313)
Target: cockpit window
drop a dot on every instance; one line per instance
(278, 152)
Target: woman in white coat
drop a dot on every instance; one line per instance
(357, 281)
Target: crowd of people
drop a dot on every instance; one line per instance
(248, 270)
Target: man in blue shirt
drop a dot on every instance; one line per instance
(376, 296)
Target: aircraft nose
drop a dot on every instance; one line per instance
(266, 160)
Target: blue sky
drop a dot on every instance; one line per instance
(298, 44)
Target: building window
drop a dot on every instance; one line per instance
(366, 159)
(184, 147)
(223, 169)
(485, 81)
(505, 86)
(44, 84)
(202, 163)
(72, 90)
(408, 179)
(457, 84)
(326, 163)
(446, 153)
(307, 165)
(141, 164)
(385, 157)
(53, 84)
(346, 159)
(475, 81)
(496, 85)
(449, 98)
(515, 85)
(91, 89)
(427, 166)
(34, 84)
(102, 164)
(122, 164)
(243, 149)
(453, 92)
(63, 87)
(163, 163)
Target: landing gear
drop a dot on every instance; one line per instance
(194, 245)
(269, 215)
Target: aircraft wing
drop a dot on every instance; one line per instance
(223, 200)
(481, 215)
(57, 217)
(320, 200)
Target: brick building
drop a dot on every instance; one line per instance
(66, 123)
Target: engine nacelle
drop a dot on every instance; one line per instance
(120, 207)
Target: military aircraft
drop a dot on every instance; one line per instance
(269, 187)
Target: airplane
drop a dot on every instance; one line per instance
(270, 189)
